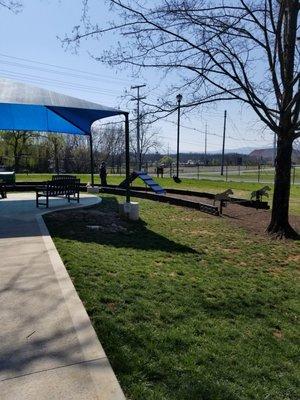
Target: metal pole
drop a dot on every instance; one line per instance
(127, 159)
(205, 146)
(138, 135)
(91, 157)
(223, 147)
(179, 98)
(178, 132)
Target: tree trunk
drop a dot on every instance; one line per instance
(56, 163)
(279, 225)
(17, 163)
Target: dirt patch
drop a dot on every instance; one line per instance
(93, 219)
(275, 271)
(278, 334)
(294, 258)
(255, 221)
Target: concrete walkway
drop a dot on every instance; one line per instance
(48, 348)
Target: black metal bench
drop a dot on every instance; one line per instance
(59, 187)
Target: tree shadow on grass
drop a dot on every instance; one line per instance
(102, 224)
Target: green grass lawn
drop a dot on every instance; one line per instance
(241, 189)
(44, 177)
(186, 306)
(250, 174)
(265, 174)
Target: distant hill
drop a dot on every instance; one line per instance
(244, 155)
(240, 150)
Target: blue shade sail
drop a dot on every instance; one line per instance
(26, 107)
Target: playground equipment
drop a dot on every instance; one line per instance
(146, 179)
(223, 198)
(258, 194)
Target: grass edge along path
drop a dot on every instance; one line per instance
(185, 306)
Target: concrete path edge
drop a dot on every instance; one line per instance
(106, 384)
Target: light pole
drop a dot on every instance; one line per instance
(178, 98)
(223, 146)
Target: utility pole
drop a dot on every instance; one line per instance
(205, 146)
(138, 136)
(223, 147)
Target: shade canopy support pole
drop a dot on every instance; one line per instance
(91, 157)
(127, 159)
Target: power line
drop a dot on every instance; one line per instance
(238, 131)
(58, 83)
(187, 142)
(78, 85)
(64, 68)
(210, 133)
(51, 71)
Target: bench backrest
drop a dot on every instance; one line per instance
(63, 177)
(63, 186)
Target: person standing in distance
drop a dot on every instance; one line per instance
(103, 174)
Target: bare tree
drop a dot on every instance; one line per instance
(242, 50)
(109, 141)
(76, 154)
(14, 6)
(56, 143)
(149, 140)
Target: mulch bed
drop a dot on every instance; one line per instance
(255, 221)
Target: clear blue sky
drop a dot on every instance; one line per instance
(30, 38)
